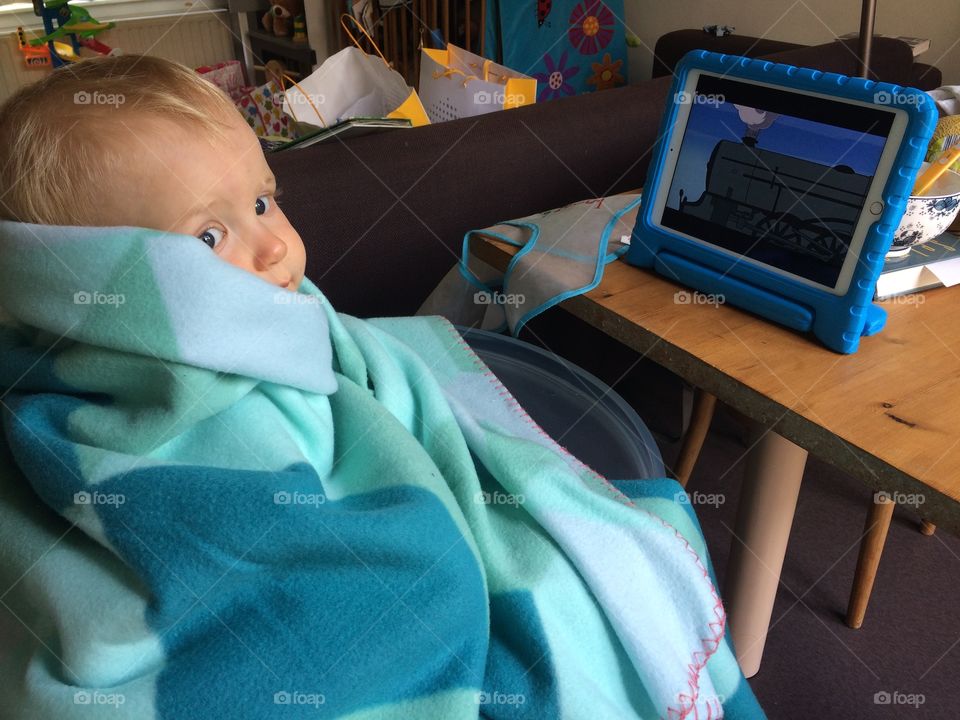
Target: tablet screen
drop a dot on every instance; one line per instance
(776, 176)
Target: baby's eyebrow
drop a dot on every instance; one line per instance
(270, 181)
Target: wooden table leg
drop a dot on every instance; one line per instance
(927, 528)
(871, 548)
(768, 501)
(703, 407)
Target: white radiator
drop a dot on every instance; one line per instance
(193, 40)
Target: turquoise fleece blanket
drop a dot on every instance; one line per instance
(223, 500)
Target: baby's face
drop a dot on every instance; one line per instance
(221, 193)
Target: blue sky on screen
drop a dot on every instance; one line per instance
(818, 142)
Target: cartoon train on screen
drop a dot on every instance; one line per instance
(794, 203)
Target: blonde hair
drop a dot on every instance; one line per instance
(63, 138)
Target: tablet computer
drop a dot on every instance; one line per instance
(780, 188)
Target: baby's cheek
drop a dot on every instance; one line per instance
(301, 255)
(295, 247)
(233, 255)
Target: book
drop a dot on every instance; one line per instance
(351, 127)
(933, 264)
(917, 45)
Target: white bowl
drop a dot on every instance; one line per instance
(928, 216)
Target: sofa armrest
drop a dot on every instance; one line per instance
(383, 216)
(674, 45)
(926, 77)
(891, 59)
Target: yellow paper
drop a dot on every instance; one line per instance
(412, 109)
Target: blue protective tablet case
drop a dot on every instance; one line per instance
(838, 321)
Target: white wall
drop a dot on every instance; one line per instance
(809, 22)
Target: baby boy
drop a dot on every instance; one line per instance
(140, 141)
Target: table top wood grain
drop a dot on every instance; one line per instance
(889, 414)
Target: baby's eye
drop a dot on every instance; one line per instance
(211, 236)
(263, 204)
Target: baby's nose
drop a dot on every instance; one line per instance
(271, 250)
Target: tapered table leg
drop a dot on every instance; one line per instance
(768, 501)
(704, 405)
(871, 548)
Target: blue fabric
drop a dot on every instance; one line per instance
(562, 254)
(285, 512)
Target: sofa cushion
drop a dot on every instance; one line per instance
(674, 45)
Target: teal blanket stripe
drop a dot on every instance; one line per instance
(221, 499)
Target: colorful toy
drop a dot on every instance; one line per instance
(98, 47)
(72, 23)
(33, 57)
(39, 57)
